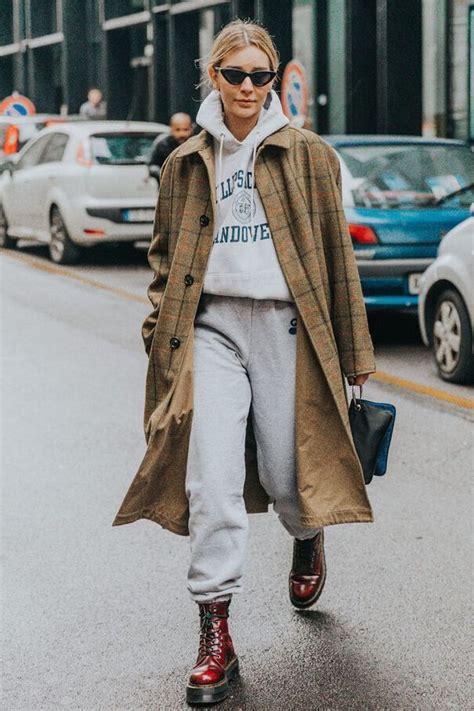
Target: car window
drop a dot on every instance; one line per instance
(28, 131)
(409, 175)
(121, 148)
(33, 153)
(55, 149)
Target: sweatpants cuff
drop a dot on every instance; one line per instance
(219, 598)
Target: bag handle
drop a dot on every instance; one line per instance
(354, 396)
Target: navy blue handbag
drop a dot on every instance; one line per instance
(372, 426)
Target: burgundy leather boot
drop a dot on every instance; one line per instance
(217, 663)
(308, 572)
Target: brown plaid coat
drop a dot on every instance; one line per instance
(298, 179)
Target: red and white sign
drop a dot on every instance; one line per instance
(294, 93)
(17, 105)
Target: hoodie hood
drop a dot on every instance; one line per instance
(211, 117)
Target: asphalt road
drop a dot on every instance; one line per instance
(96, 617)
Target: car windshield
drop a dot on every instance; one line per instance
(121, 148)
(410, 175)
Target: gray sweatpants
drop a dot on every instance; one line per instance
(244, 357)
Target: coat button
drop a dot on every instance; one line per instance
(175, 342)
(204, 220)
(188, 280)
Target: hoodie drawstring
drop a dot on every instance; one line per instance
(254, 155)
(252, 189)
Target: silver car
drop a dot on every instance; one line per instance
(80, 184)
(446, 305)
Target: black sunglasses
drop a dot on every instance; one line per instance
(237, 76)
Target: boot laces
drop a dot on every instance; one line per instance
(211, 640)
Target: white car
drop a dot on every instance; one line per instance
(80, 184)
(446, 305)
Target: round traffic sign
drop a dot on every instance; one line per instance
(294, 93)
(17, 105)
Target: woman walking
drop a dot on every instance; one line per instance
(257, 317)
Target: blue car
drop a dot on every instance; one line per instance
(401, 195)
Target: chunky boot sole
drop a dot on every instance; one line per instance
(307, 604)
(213, 693)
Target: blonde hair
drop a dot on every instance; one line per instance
(236, 35)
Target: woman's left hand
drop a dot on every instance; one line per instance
(359, 379)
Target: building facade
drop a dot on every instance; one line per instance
(372, 66)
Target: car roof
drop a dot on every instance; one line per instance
(35, 118)
(87, 128)
(377, 139)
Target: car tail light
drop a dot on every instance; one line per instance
(361, 234)
(83, 156)
(11, 141)
(97, 233)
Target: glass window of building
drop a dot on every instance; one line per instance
(6, 22)
(6, 77)
(119, 8)
(94, 44)
(44, 18)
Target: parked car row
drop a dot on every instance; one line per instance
(78, 184)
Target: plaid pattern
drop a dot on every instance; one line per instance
(298, 178)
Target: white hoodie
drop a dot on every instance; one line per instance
(243, 261)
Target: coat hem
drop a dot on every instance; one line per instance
(334, 518)
(340, 516)
(169, 524)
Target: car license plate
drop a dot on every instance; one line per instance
(139, 215)
(414, 283)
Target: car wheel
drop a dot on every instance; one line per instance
(6, 242)
(61, 248)
(452, 339)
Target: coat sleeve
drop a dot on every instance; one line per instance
(158, 256)
(349, 317)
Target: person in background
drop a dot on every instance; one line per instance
(181, 128)
(94, 108)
